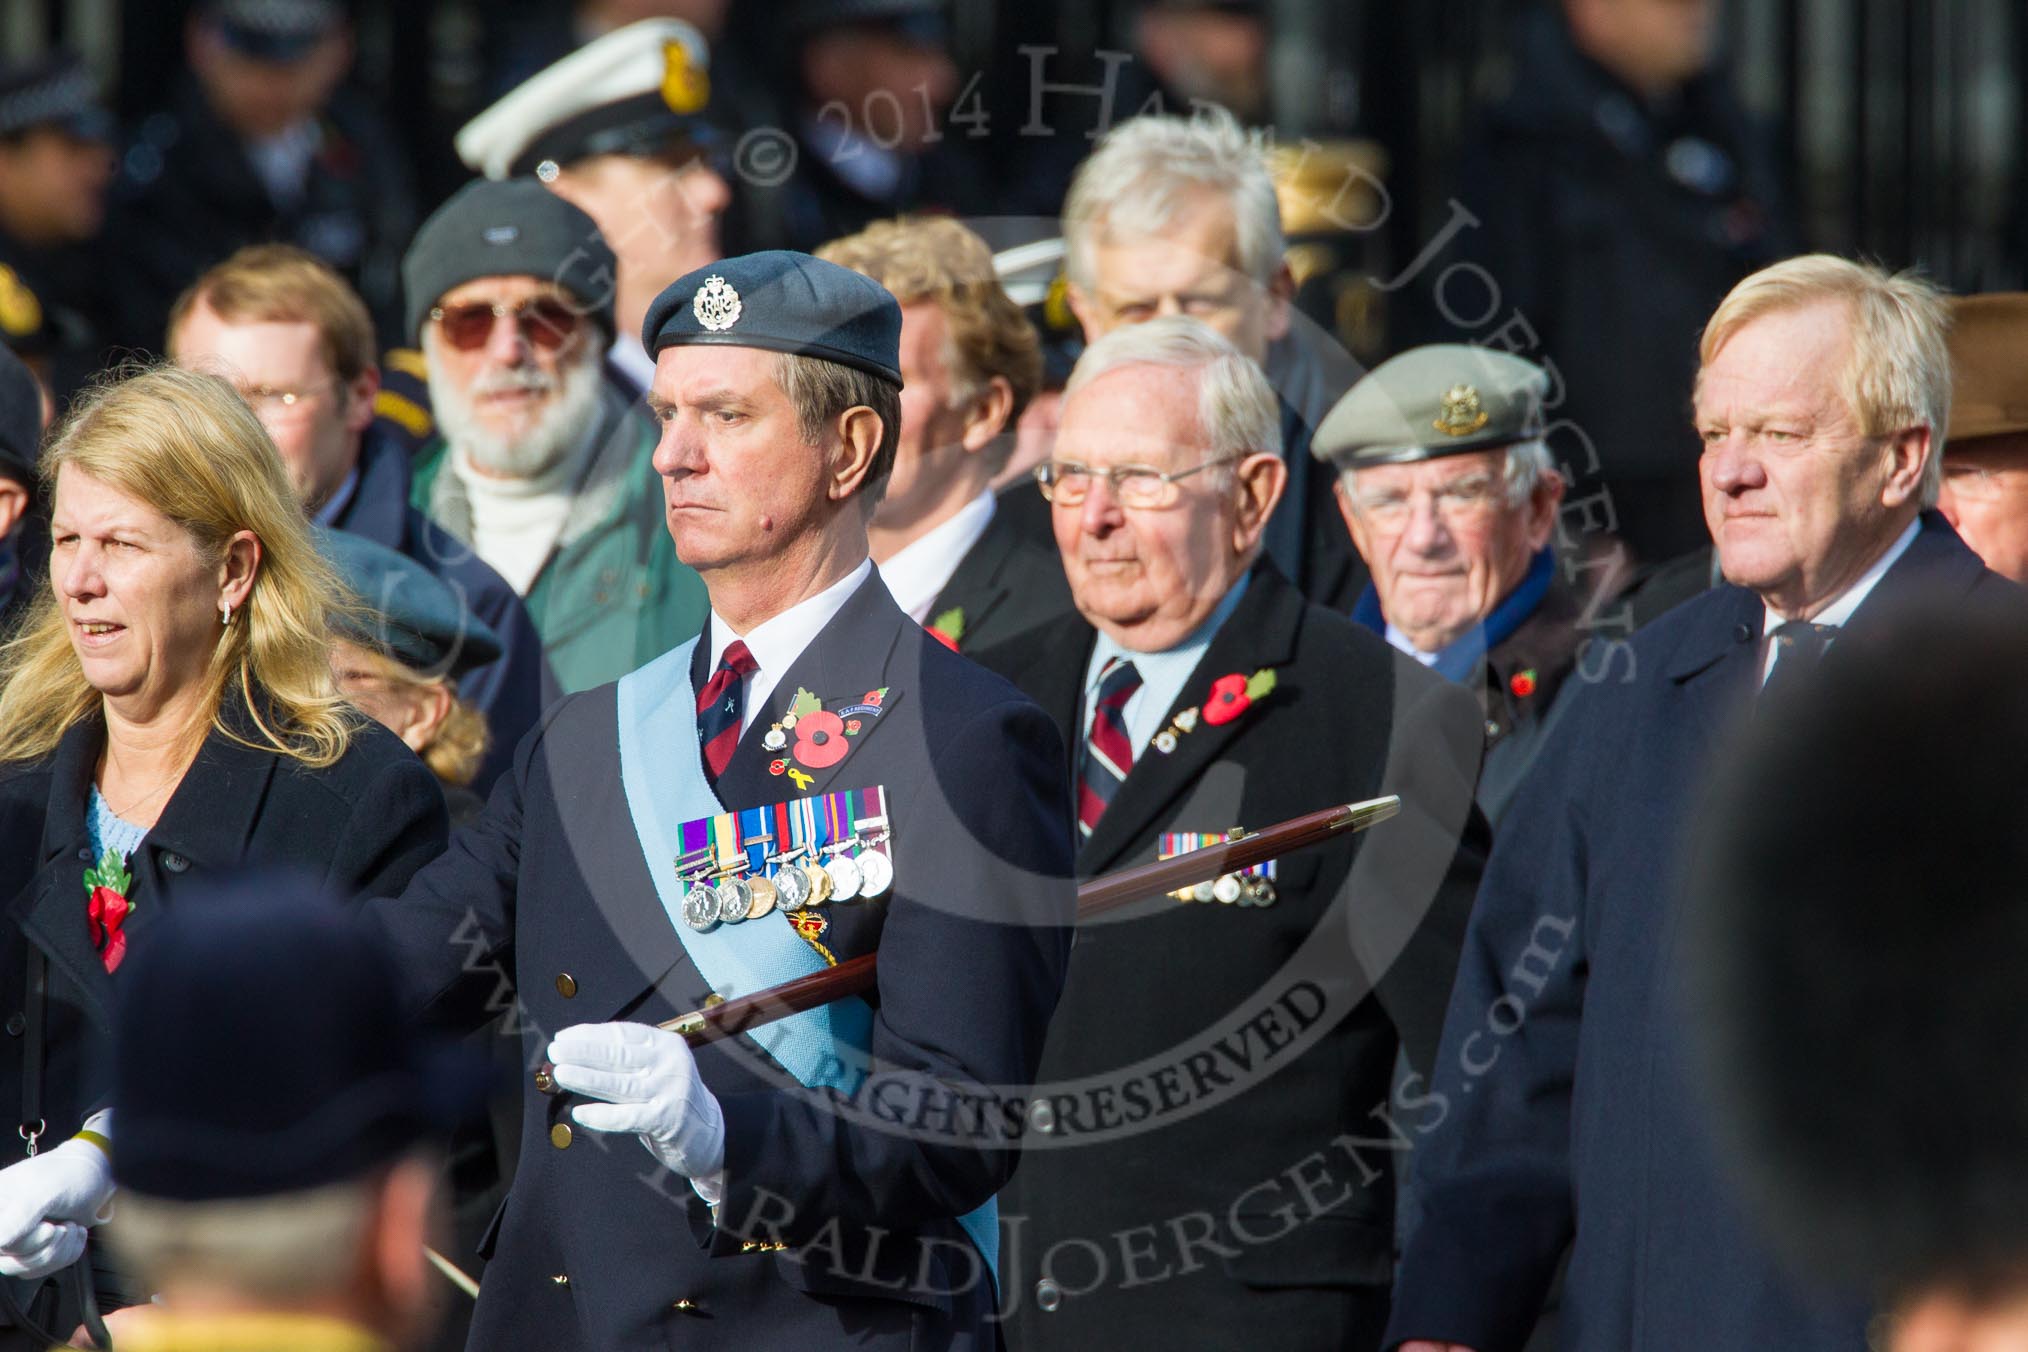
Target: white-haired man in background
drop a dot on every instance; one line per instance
(1178, 216)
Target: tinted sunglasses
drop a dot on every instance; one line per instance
(546, 321)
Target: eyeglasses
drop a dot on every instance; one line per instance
(545, 321)
(283, 404)
(1974, 483)
(1457, 502)
(1140, 486)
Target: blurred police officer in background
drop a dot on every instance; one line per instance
(55, 164)
(261, 143)
(1619, 190)
(23, 540)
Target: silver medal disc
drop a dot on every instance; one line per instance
(845, 879)
(876, 872)
(1200, 891)
(794, 885)
(1260, 891)
(1227, 888)
(700, 906)
(735, 900)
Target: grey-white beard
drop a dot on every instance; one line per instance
(559, 429)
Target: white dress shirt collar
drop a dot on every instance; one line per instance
(776, 643)
(921, 569)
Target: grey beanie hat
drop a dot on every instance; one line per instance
(510, 228)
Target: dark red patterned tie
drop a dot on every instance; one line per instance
(1108, 752)
(718, 708)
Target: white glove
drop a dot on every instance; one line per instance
(650, 1085)
(47, 1202)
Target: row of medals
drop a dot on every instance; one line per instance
(1234, 890)
(792, 886)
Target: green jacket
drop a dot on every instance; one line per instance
(612, 594)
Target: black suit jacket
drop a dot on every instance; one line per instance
(1206, 1054)
(1574, 1119)
(1011, 579)
(551, 882)
(361, 826)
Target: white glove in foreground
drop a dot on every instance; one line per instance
(650, 1085)
(46, 1203)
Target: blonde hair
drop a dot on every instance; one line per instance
(936, 259)
(281, 284)
(1899, 372)
(188, 446)
(455, 753)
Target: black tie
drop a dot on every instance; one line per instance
(1798, 646)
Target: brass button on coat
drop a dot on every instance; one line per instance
(559, 1136)
(566, 985)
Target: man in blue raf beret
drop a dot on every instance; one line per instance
(810, 779)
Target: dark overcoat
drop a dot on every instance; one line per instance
(1563, 1110)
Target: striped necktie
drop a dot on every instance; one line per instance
(1108, 752)
(718, 708)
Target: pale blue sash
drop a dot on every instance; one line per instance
(661, 774)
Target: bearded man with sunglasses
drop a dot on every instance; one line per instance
(1180, 1183)
(541, 467)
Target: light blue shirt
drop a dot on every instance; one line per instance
(1163, 674)
(110, 831)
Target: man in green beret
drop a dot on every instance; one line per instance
(1451, 498)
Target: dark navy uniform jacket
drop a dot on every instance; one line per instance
(597, 1246)
(512, 689)
(1562, 1108)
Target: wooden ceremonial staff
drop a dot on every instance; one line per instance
(1109, 892)
(1095, 896)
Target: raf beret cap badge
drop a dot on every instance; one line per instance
(716, 304)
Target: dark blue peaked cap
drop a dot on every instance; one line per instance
(783, 302)
(262, 1046)
(414, 616)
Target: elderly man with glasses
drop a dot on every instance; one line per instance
(1451, 499)
(541, 467)
(1209, 1048)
